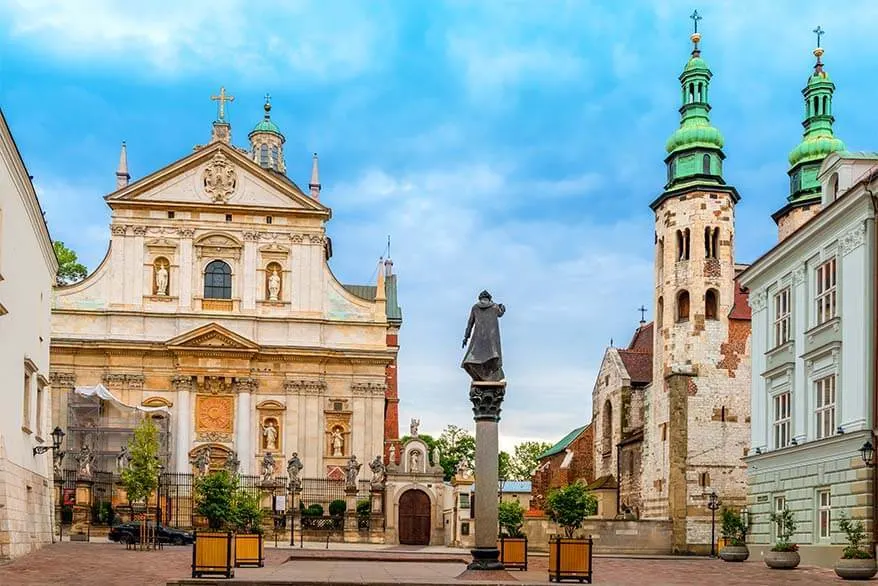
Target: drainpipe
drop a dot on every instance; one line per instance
(874, 373)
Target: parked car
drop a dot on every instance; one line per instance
(130, 533)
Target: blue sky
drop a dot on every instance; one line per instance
(509, 145)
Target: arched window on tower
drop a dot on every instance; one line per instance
(275, 160)
(825, 105)
(217, 281)
(263, 155)
(686, 238)
(714, 242)
(659, 312)
(711, 242)
(607, 424)
(711, 304)
(816, 105)
(691, 93)
(705, 164)
(700, 95)
(833, 187)
(683, 244)
(683, 306)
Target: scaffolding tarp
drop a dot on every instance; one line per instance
(104, 393)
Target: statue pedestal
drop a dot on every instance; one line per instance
(486, 396)
(80, 529)
(350, 515)
(377, 497)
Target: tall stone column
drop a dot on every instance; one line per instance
(244, 387)
(486, 396)
(183, 386)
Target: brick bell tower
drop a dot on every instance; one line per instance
(684, 456)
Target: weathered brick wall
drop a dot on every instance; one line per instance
(794, 218)
(550, 474)
(716, 352)
(582, 465)
(391, 401)
(630, 478)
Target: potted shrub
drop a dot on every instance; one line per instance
(513, 542)
(249, 544)
(785, 554)
(857, 562)
(214, 550)
(570, 557)
(734, 533)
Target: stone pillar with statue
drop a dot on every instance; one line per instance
(80, 529)
(351, 471)
(484, 363)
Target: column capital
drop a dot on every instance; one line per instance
(62, 380)
(182, 383)
(487, 396)
(245, 385)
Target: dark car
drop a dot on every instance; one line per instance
(130, 533)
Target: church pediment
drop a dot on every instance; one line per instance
(218, 175)
(212, 337)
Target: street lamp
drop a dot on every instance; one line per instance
(867, 452)
(57, 438)
(713, 504)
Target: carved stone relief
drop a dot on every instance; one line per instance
(219, 178)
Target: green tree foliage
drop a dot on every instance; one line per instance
(855, 533)
(524, 461)
(364, 507)
(337, 507)
(140, 478)
(511, 517)
(247, 512)
(215, 496)
(734, 530)
(454, 443)
(786, 528)
(69, 269)
(504, 463)
(569, 506)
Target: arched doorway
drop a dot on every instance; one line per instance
(414, 518)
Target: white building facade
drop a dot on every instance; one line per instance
(27, 273)
(813, 381)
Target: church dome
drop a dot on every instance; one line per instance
(815, 148)
(703, 135)
(266, 124)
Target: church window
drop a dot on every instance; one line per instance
(268, 219)
(722, 413)
(704, 479)
(275, 161)
(337, 406)
(711, 242)
(263, 155)
(816, 105)
(691, 93)
(607, 425)
(711, 301)
(228, 217)
(705, 164)
(218, 281)
(683, 306)
(833, 187)
(171, 215)
(683, 244)
(699, 95)
(660, 311)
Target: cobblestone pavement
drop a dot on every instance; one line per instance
(99, 564)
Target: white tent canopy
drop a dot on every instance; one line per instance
(103, 393)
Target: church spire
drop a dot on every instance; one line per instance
(267, 141)
(695, 149)
(314, 185)
(122, 176)
(818, 139)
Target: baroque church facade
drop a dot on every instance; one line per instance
(216, 312)
(671, 411)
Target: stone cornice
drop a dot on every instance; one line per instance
(305, 386)
(62, 380)
(368, 388)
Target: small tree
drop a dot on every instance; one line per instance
(524, 461)
(734, 530)
(337, 507)
(248, 512)
(786, 528)
(569, 506)
(215, 498)
(856, 534)
(364, 508)
(511, 517)
(69, 269)
(140, 478)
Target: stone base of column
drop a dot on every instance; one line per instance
(485, 558)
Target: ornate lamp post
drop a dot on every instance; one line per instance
(867, 452)
(57, 438)
(713, 503)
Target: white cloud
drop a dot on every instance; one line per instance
(215, 37)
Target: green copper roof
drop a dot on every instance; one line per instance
(266, 124)
(696, 62)
(368, 292)
(562, 445)
(818, 139)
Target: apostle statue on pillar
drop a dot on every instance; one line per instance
(232, 463)
(123, 458)
(202, 461)
(379, 473)
(351, 470)
(294, 467)
(85, 458)
(267, 467)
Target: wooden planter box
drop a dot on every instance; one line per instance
(213, 554)
(513, 552)
(249, 550)
(570, 559)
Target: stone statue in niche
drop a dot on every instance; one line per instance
(267, 467)
(351, 470)
(273, 285)
(436, 456)
(337, 443)
(379, 473)
(391, 454)
(202, 461)
(269, 435)
(161, 279)
(415, 461)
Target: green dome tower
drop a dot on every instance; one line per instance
(695, 153)
(818, 141)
